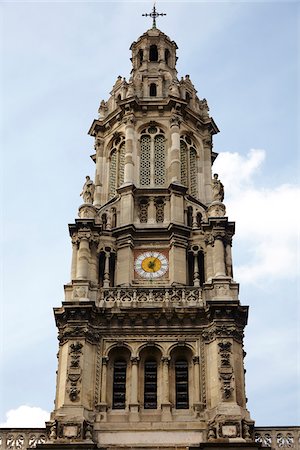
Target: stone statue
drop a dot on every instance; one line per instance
(217, 189)
(88, 190)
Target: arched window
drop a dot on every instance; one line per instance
(117, 162)
(150, 384)
(153, 54)
(167, 56)
(153, 148)
(182, 384)
(119, 385)
(188, 160)
(141, 56)
(153, 90)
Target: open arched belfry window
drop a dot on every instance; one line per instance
(188, 160)
(150, 384)
(152, 157)
(116, 166)
(119, 385)
(182, 384)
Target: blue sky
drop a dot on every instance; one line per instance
(59, 59)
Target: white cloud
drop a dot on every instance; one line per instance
(267, 218)
(26, 416)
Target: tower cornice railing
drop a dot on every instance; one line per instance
(148, 296)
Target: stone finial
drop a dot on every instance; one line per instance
(88, 191)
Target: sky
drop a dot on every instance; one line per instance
(58, 61)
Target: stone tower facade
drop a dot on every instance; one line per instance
(151, 329)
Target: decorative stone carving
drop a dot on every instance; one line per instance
(229, 429)
(217, 189)
(211, 435)
(88, 190)
(88, 431)
(80, 292)
(175, 120)
(203, 106)
(225, 370)
(265, 439)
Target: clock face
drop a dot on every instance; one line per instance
(151, 265)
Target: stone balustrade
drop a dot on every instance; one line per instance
(21, 438)
(278, 437)
(149, 297)
(272, 437)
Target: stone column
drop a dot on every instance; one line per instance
(165, 379)
(104, 380)
(74, 257)
(207, 168)
(151, 211)
(129, 139)
(196, 270)
(209, 259)
(106, 270)
(196, 380)
(219, 257)
(166, 405)
(175, 149)
(83, 259)
(99, 147)
(94, 263)
(228, 260)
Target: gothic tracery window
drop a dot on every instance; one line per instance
(153, 148)
(117, 162)
(188, 160)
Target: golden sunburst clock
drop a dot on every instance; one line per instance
(151, 264)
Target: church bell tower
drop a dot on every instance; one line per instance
(151, 328)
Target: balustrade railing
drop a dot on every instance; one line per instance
(278, 437)
(21, 438)
(273, 437)
(146, 297)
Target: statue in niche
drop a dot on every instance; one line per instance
(88, 190)
(217, 189)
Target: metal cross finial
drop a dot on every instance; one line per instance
(154, 15)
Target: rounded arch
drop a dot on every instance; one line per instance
(185, 347)
(116, 347)
(181, 370)
(149, 345)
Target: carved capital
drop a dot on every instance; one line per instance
(175, 120)
(196, 360)
(134, 360)
(105, 360)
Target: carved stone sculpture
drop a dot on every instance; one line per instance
(217, 189)
(88, 190)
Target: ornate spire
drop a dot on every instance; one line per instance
(154, 14)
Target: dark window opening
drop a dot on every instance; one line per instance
(182, 384)
(141, 56)
(199, 219)
(150, 385)
(119, 385)
(152, 90)
(167, 56)
(187, 97)
(112, 265)
(190, 260)
(189, 216)
(104, 221)
(153, 54)
(201, 268)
